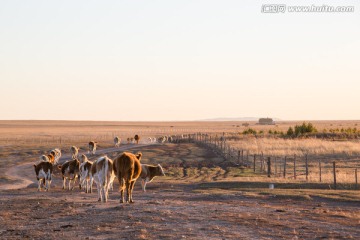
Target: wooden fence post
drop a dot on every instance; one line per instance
(284, 174)
(356, 179)
(334, 172)
(294, 166)
(275, 166)
(269, 166)
(320, 170)
(242, 155)
(238, 157)
(254, 161)
(306, 167)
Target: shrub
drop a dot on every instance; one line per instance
(304, 128)
(249, 131)
(290, 132)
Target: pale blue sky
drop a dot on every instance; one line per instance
(177, 60)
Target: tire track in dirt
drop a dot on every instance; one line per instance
(24, 175)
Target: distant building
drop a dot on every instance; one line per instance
(266, 121)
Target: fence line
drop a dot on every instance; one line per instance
(302, 167)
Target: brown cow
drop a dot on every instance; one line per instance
(92, 147)
(137, 138)
(127, 169)
(43, 172)
(149, 172)
(48, 158)
(70, 170)
(57, 154)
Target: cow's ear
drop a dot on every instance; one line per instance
(138, 155)
(34, 166)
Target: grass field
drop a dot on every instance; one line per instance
(201, 196)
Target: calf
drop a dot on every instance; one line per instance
(161, 139)
(57, 155)
(70, 170)
(92, 147)
(74, 152)
(48, 158)
(127, 169)
(102, 172)
(85, 168)
(148, 173)
(117, 141)
(43, 172)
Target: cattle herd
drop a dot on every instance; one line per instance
(126, 167)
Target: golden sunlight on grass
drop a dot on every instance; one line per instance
(300, 147)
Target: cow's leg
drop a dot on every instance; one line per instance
(128, 189)
(81, 183)
(64, 182)
(121, 183)
(69, 187)
(86, 185)
(121, 195)
(143, 184)
(132, 184)
(49, 183)
(49, 180)
(39, 185)
(106, 192)
(103, 192)
(46, 184)
(75, 178)
(91, 183)
(99, 190)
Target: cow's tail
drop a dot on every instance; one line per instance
(105, 171)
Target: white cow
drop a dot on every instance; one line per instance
(148, 173)
(85, 168)
(102, 172)
(74, 152)
(117, 141)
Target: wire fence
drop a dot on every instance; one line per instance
(340, 173)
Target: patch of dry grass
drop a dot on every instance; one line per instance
(300, 147)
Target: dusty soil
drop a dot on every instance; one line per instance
(174, 207)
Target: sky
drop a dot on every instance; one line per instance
(177, 60)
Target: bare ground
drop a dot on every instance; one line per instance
(174, 207)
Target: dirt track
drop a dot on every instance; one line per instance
(171, 209)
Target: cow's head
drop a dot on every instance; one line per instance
(138, 155)
(160, 170)
(83, 158)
